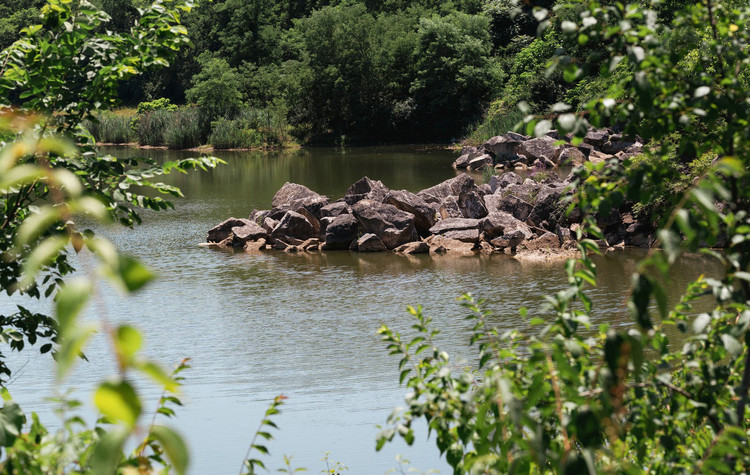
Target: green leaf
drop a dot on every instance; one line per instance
(119, 401)
(174, 446)
(108, 451)
(731, 344)
(71, 300)
(128, 341)
(158, 375)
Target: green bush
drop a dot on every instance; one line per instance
(253, 128)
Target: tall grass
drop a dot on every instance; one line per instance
(111, 127)
(183, 129)
(150, 127)
(495, 124)
(252, 128)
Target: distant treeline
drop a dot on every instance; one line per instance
(358, 71)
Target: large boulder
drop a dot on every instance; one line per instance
(424, 214)
(545, 241)
(597, 138)
(340, 232)
(223, 230)
(501, 223)
(450, 187)
(370, 243)
(293, 196)
(547, 207)
(454, 224)
(571, 156)
(507, 179)
(472, 205)
(480, 162)
(504, 145)
(509, 203)
(540, 148)
(464, 235)
(294, 225)
(467, 155)
(335, 209)
(449, 208)
(249, 231)
(416, 247)
(366, 189)
(393, 226)
(446, 245)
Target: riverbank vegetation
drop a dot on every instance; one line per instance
(560, 397)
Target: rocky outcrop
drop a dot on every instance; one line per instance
(515, 151)
(457, 217)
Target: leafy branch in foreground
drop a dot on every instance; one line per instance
(250, 465)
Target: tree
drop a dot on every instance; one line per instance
(216, 89)
(59, 73)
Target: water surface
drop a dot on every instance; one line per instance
(258, 325)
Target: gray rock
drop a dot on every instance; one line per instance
(223, 230)
(493, 184)
(571, 156)
(454, 224)
(480, 162)
(335, 209)
(424, 215)
(269, 224)
(547, 206)
(340, 232)
(370, 243)
(464, 235)
(449, 208)
(472, 205)
(500, 223)
(450, 187)
(293, 196)
(537, 148)
(545, 241)
(294, 225)
(366, 189)
(597, 138)
(248, 232)
(445, 245)
(393, 226)
(509, 178)
(502, 145)
(511, 240)
(612, 147)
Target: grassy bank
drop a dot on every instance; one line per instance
(187, 127)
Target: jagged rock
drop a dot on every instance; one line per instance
(539, 147)
(509, 178)
(572, 156)
(597, 138)
(485, 189)
(462, 161)
(480, 162)
(449, 208)
(269, 224)
(493, 184)
(223, 230)
(545, 241)
(612, 147)
(370, 243)
(311, 219)
(417, 247)
(366, 189)
(249, 231)
(515, 136)
(393, 226)
(503, 145)
(258, 215)
(585, 149)
(598, 157)
(293, 196)
(468, 154)
(340, 232)
(454, 224)
(546, 206)
(511, 240)
(500, 223)
(295, 225)
(450, 187)
(472, 205)
(424, 215)
(335, 209)
(443, 245)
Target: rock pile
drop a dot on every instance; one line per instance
(456, 216)
(516, 151)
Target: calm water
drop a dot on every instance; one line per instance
(303, 325)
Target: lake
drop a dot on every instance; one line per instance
(258, 325)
